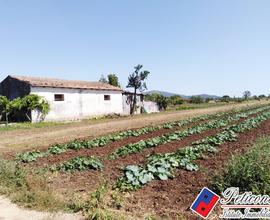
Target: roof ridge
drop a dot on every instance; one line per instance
(64, 83)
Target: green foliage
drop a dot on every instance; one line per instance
(57, 149)
(196, 99)
(136, 80)
(246, 95)
(248, 171)
(179, 135)
(25, 104)
(103, 79)
(225, 98)
(79, 163)
(113, 80)
(262, 96)
(28, 157)
(5, 107)
(136, 176)
(34, 102)
(31, 156)
(151, 97)
(175, 100)
(26, 189)
(161, 100)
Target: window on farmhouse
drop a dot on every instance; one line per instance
(59, 97)
(107, 97)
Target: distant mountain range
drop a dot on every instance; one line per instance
(168, 94)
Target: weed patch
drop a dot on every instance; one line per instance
(248, 171)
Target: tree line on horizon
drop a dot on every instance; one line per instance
(136, 81)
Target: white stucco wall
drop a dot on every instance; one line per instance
(127, 104)
(150, 107)
(78, 103)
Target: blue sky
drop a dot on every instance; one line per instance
(190, 47)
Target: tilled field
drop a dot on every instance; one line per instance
(171, 163)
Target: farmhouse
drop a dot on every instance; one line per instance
(68, 99)
(71, 100)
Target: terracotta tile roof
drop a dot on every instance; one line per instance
(60, 83)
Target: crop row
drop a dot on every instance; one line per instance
(79, 163)
(31, 156)
(179, 135)
(84, 163)
(162, 166)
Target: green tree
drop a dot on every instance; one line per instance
(26, 104)
(5, 107)
(225, 98)
(256, 98)
(161, 100)
(113, 80)
(176, 100)
(33, 102)
(103, 79)
(136, 80)
(196, 99)
(151, 97)
(246, 94)
(262, 96)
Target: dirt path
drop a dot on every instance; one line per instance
(9, 211)
(42, 137)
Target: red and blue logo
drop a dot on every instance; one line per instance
(205, 203)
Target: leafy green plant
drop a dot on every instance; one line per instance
(28, 157)
(79, 163)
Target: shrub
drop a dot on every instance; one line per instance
(176, 100)
(248, 171)
(196, 99)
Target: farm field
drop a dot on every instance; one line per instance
(51, 133)
(144, 173)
